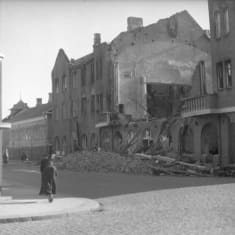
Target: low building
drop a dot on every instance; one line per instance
(29, 135)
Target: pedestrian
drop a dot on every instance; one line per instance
(43, 165)
(49, 174)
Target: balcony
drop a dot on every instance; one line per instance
(201, 105)
(107, 119)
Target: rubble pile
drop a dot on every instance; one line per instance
(162, 165)
(140, 163)
(86, 161)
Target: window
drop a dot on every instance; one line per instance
(74, 109)
(63, 112)
(56, 113)
(56, 85)
(202, 74)
(226, 21)
(92, 104)
(217, 24)
(92, 73)
(219, 74)
(84, 75)
(74, 80)
(224, 74)
(228, 73)
(83, 106)
(99, 68)
(99, 103)
(64, 83)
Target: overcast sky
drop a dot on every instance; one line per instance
(31, 33)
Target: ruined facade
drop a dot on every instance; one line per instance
(210, 117)
(155, 67)
(119, 96)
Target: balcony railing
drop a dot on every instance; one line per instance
(201, 105)
(106, 119)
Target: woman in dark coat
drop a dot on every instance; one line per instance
(49, 181)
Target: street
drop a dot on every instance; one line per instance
(22, 180)
(163, 205)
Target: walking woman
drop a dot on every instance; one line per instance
(49, 180)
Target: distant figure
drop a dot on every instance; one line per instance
(5, 156)
(48, 186)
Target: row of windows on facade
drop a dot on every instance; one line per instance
(84, 74)
(61, 144)
(74, 109)
(224, 74)
(29, 135)
(222, 25)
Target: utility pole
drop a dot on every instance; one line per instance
(2, 125)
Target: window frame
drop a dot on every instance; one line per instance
(64, 83)
(217, 26)
(226, 21)
(228, 84)
(222, 75)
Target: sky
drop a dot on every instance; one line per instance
(32, 32)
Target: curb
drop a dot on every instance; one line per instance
(61, 214)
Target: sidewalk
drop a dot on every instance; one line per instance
(39, 209)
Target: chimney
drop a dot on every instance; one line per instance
(49, 97)
(134, 23)
(39, 101)
(97, 39)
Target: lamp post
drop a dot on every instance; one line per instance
(2, 125)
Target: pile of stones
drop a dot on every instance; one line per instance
(86, 161)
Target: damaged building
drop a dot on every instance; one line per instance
(123, 95)
(155, 67)
(208, 133)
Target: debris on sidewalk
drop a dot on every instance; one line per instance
(171, 166)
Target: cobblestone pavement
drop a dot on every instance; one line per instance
(196, 210)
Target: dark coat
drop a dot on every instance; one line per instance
(43, 164)
(49, 180)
